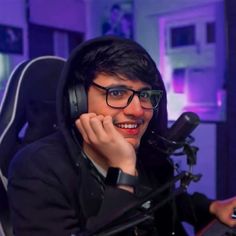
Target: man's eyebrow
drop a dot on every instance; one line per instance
(128, 87)
(117, 86)
(146, 88)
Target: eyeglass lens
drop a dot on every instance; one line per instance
(121, 97)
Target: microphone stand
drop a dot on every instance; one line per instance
(185, 178)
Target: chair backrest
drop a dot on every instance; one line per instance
(29, 99)
(27, 113)
(5, 222)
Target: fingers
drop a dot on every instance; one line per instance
(109, 126)
(91, 127)
(80, 124)
(83, 124)
(96, 124)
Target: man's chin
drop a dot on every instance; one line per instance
(134, 142)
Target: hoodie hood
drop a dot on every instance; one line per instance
(66, 124)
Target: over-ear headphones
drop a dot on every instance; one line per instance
(77, 99)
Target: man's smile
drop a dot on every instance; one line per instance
(127, 126)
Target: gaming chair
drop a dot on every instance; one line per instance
(27, 113)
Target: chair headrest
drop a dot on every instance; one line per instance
(29, 98)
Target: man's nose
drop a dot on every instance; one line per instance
(134, 108)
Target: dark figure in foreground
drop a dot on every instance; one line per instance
(110, 99)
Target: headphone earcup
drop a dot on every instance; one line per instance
(77, 101)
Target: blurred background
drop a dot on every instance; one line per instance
(192, 42)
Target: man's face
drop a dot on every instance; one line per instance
(132, 121)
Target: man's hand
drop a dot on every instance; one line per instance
(223, 210)
(99, 132)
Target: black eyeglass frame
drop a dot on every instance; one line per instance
(107, 89)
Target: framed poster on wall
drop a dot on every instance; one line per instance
(11, 39)
(118, 20)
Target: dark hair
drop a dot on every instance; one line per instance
(117, 56)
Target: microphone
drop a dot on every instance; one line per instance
(183, 127)
(180, 131)
(177, 134)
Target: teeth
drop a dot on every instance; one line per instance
(127, 126)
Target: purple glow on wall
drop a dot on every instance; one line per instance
(67, 17)
(189, 64)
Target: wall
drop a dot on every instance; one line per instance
(67, 15)
(146, 31)
(61, 14)
(12, 13)
(94, 11)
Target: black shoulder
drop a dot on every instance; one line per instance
(44, 156)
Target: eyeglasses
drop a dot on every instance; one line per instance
(120, 97)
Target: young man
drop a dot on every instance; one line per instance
(92, 174)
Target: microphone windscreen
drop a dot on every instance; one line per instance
(183, 127)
